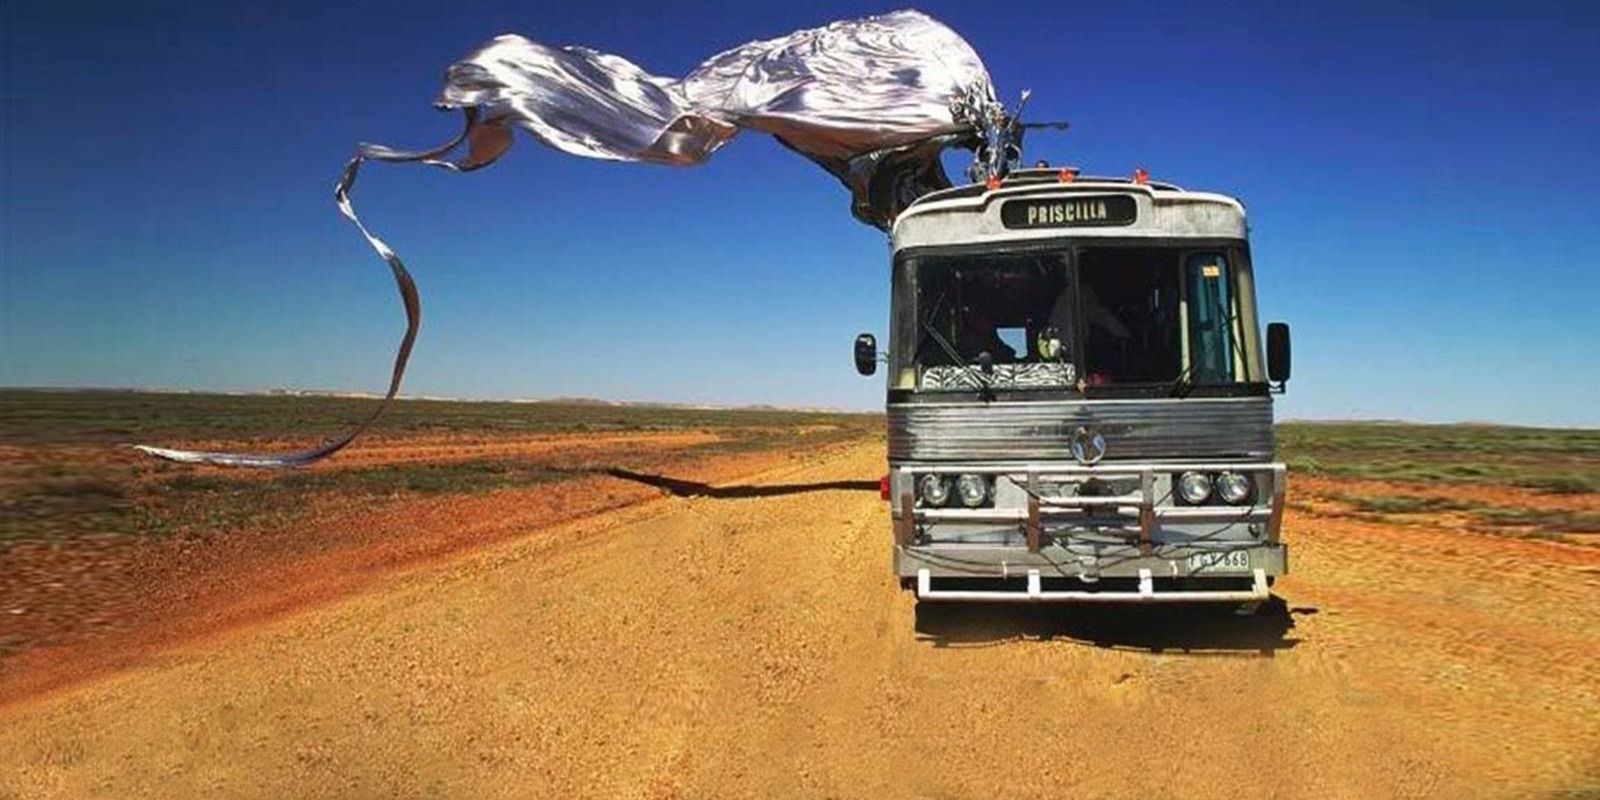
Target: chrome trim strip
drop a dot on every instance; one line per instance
(1146, 593)
(1172, 429)
(1015, 469)
(1184, 513)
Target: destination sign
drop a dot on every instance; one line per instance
(1069, 212)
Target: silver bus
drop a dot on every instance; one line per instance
(1079, 400)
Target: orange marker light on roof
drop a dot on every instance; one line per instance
(992, 184)
(1141, 176)
(1067, 175)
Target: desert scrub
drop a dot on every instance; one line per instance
(1543, 459)
(78, 478)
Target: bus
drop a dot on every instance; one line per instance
(1079, 403)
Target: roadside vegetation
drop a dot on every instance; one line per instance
(121, 417)
(1449, 474)
(1544, 459)
(67, 470)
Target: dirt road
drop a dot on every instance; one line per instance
(752, 643)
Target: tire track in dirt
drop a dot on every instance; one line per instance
(758, 646)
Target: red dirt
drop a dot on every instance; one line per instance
(99, 604)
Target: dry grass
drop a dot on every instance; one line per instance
(75, 477)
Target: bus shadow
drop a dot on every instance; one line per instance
(687, 488)
(1189, 630)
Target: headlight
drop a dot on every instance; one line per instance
(935, 489)
(973, 490)
(1234, 488)
(1194, 487)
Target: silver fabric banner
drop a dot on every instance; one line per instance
(833, 94)
(874, 101)
(479, 142)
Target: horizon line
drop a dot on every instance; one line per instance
(709, 406)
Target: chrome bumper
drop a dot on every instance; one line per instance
(1058, 547)
(1138, 507)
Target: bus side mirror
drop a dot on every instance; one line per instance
(1278, 352)
(866, 354)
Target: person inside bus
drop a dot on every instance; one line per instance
(1102, 322)
(979, 334)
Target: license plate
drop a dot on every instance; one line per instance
(1230, 561)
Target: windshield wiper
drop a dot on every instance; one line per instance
(985, 387)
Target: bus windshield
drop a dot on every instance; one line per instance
(1069, 318)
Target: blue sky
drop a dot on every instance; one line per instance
(1421, 187)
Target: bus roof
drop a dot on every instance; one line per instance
(1038, 204)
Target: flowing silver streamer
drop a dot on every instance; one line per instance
(874, 101)
(483, 145)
